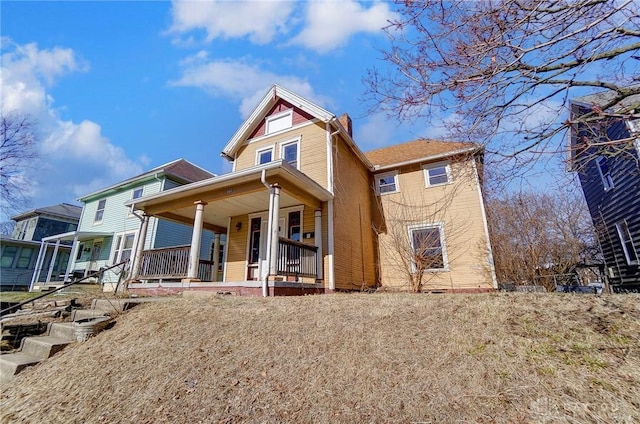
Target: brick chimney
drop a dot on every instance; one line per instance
(345, 120)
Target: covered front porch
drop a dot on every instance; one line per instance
(270, 232)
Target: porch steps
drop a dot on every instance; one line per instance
(35, 349)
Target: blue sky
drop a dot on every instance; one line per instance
(117, 88)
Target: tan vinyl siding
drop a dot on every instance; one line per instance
(457, 206)
(236, 245)
(354, 247)
(313, 150)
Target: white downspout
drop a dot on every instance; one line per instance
(265, 276)
(330, 182)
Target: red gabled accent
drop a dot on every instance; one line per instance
(299, 116)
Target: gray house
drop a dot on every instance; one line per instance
(606, 155)
(24, 253)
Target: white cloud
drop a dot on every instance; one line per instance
(238, 80)
(330, 24)
(73, 156)
(260, 21)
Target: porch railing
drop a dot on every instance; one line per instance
(297, 259)
(171, 263)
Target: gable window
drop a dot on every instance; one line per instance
(437, 174)
(264, 155)
(123, 247)
(427, 247)
(100, 211)
(279, 122)
(290, 153)
(387, 183)
(605, 172)
(630, 252)
(137, 193)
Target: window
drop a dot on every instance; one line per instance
(437, 174)
(387, 183)
(264, 155)
(8, 255)
(427, 245)
(25, 258)
(137, 193)
(294, 231)
(100, 211)
(124, 247)
(605, 172)
(279, 122)
(289, 153)
(630, 251)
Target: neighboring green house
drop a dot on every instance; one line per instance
(24, 252)
(107, 232)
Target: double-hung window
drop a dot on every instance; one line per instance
(24, 259)
(8, 256)
(387, 183)
(437, 174)
(264, 155)
(290, 152)
(137, 193)
(427, 247)
(123, 247)
(605, 172)
(100, 211)
(628, 246)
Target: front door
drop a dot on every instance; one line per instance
(258, 268)
(95, 255)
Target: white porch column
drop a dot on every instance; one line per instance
(318, 244)
(53, 260)
(272, 236)
(39, 262)
(72, 257)
(216, 255)
(196, 240)
(142, 237)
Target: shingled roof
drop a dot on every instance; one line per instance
(63, 210)
(416, 151)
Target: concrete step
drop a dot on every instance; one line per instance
(43, 346)
(79, 314)
(111, 305)
(63, 330)
(12, 363)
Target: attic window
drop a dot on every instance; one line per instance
(280, 121)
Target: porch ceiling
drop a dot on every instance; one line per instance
(237, 193)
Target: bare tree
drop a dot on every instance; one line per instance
(536, 236)
(17, 150)
(500, 72)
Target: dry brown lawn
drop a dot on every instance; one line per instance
(502, 358)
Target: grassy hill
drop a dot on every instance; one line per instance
(347, 358)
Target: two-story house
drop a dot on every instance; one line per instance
(106, 234)
(25, 253)
(606, 155)
(304, 208)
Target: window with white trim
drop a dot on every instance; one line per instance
(437, 174)
(279, 121)
(628, 246)
(8, 256)
(605, 172)
(24, 259)
(137, 193)
(100, 211)
(123, 247)
(387, 183)
(428, 248)
(264, 155)
(290, 152)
